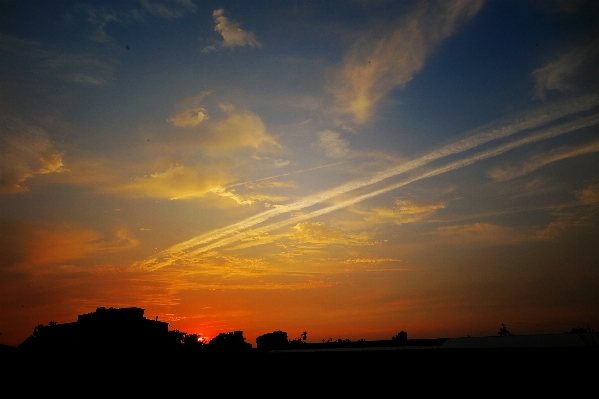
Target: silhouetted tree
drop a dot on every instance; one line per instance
(503, 331)
(231, 341)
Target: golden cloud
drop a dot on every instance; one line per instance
(403, 212)
(176, 182)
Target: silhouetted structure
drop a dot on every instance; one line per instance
(272, 341)
(401, 336)
(104, 328)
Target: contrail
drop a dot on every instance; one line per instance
(285, 174)
(552, 132)
(537, 119)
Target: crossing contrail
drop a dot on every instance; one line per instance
(234, 232)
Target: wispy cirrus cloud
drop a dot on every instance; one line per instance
(389, 58)
(231, 32)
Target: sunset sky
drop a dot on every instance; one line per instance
(346, 168)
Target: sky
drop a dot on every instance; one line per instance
(346, 168)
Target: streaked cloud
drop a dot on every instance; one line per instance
(231, 32)
(189, 112)
(538, 161)
(25, 152)
(390, 57)
(558, 74)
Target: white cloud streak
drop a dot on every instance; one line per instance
(232, 233)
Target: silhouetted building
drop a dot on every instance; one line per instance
(124, 325)
(104, 328)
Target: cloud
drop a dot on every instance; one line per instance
(170, 9)
(403, 212)
(25, 152)
(246, 199)
(538, 161)
(372, 260)
(278, 163)
(479, 235)
(26, 245)
(333, 144)
(590, 195)
(558, 74)
(232, 34)
(390, 57)
(176, 182)
(189, 112)
(239, 129)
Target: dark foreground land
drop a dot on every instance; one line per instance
(536, 369)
